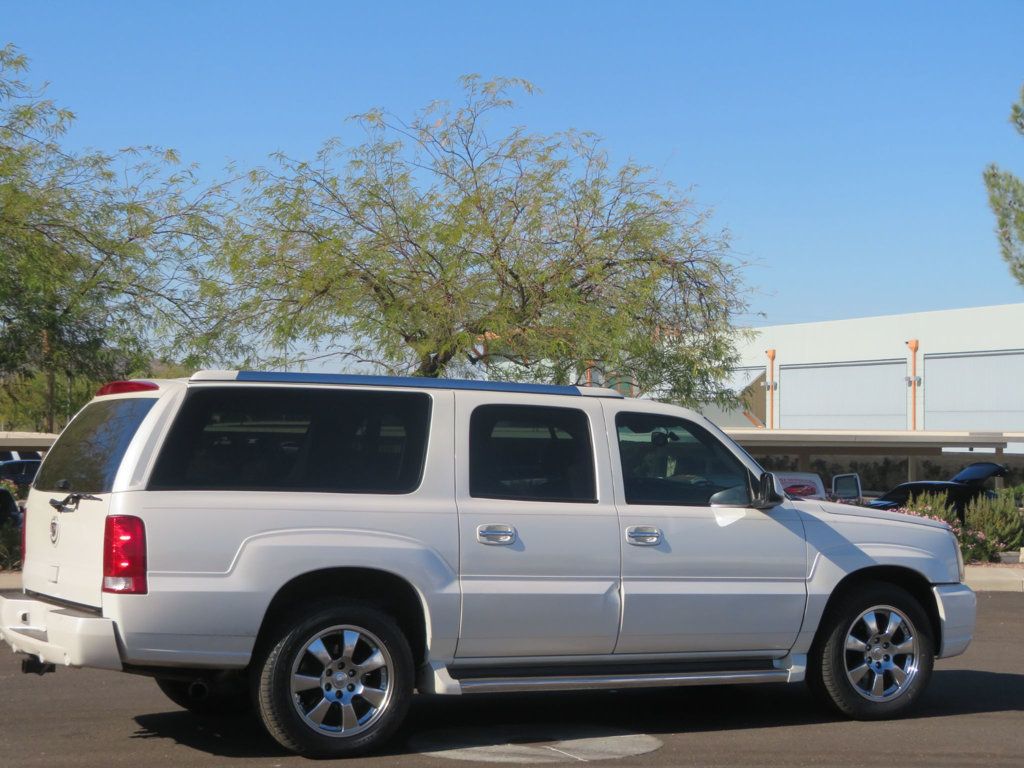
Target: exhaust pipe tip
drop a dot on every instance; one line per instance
(198, 690)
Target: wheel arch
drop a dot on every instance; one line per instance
(385, 589)
(914, 582)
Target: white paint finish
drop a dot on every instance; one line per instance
(57, 636)
(720, 580)
(725, 582)
(227, 553)
(978, 391)
(555, 591)
(843, 539)
(78, 550)
(865, 395)
(957, 608)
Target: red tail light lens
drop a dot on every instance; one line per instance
(119, 387)
(124, 556)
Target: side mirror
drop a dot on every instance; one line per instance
(768, 493)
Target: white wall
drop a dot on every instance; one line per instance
(872, 339)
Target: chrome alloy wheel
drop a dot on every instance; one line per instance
(881, 653)
(342, 681)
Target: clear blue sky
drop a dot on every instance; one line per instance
(842, 145)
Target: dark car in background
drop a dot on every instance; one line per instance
(15, 455)
(10, 512)
(21, 471)
(960, 490)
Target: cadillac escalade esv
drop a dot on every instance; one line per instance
(321, 546)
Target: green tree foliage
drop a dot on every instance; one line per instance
(1006, 196)
(448, 245)
(98, 250)
(999, 519)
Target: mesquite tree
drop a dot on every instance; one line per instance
(451, 245)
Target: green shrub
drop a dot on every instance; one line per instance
(1015, 492)
(999, 519)
(931, 505)
(10, 487)
(10, 547)
(975, 544)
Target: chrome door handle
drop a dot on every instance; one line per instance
(496, 534)
(644, 535)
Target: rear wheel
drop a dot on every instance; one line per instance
(335, 681)
(875, 654)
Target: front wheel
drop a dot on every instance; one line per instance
(336, 681)
(875, 654)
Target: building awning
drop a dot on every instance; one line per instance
(862, 441)
(26, 441)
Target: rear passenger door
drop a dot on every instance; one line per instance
(538, 530)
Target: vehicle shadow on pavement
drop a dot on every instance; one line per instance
(485, 720)
(240, 736)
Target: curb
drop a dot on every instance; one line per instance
(10, 580)
(992, 578)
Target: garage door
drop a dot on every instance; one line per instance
(974, 391)
(859, 395)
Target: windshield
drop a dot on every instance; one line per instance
(88, 452)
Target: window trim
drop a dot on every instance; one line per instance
(192, 391)
(750, 478)
(591, 453)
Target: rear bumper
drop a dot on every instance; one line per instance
(957, 610)
(57, 634)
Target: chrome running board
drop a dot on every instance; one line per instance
(597, 682)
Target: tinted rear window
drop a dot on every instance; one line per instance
(531, 453)
(89, 450)
(277, 439)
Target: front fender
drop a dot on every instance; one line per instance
(839, 547)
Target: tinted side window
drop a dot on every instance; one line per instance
(531, 453)
(277, 439)
(89, 450)
(666, 460)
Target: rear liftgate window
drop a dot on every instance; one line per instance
(279, 439)
(88, 452)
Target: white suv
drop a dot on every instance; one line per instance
(322, 545)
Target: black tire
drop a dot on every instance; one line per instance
(830, 659)
(286, 649)
(227, 696)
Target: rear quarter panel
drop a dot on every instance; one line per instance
(217, 558)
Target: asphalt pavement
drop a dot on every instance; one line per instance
(972, 714)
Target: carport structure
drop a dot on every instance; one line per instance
(803, 443)
(26, 441)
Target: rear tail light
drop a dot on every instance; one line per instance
(124, 555)
(119, 387)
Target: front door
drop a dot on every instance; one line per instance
(698, 578)
(538, 530)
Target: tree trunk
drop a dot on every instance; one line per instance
(51, 384)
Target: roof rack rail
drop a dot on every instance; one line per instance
(418, 382)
